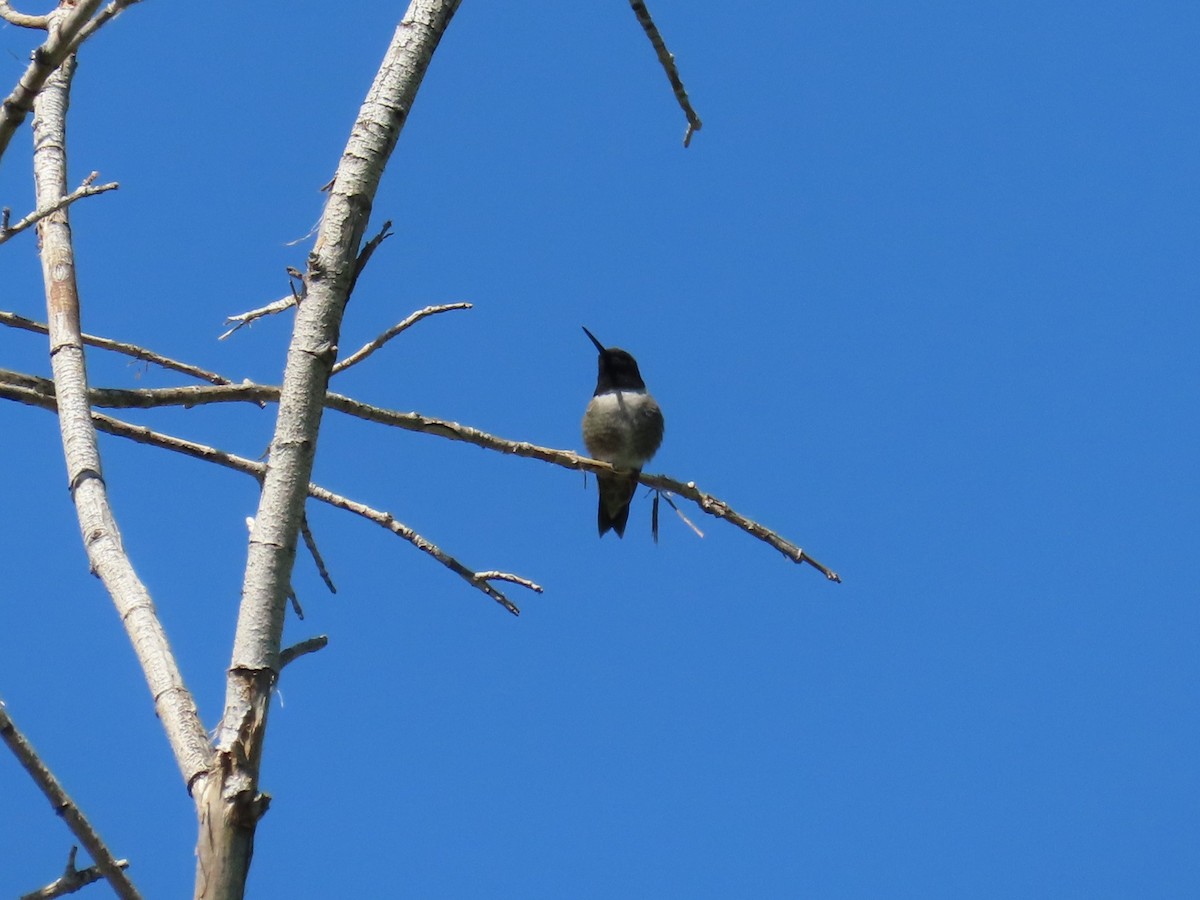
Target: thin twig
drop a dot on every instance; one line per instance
(257, 393)
(386, 520)
(140, 353)
(105, 16)
(309, 645)
(359, 355)
(295, 601)
(243, 319)
(71, 880)
(667, 59)
(368, 250)
(509, 577)
(44, 399)
(87, 189)
(311, 543)
(66, 809)
(722, 510)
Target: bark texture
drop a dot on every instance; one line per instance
(101, 536)
(230, 803)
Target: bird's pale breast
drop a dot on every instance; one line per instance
(623, 428)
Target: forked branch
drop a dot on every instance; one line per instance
(71, 880)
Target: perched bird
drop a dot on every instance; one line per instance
(623, 426)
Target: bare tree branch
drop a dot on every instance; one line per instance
(509, 577)
(257, 393)
(311, 543)
(102, 538)
(133, 350)
(476, 579)
(106, 15)
(243, 319)
(87, 189)
(667, 59)
(71, 880)
(365, 351)
(42, 397)
(309, 645)
(64, 26)
(368, 250)
(66, 809)
(230, 800)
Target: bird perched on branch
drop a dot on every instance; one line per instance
(623, 426)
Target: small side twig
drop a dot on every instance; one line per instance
(311, 543)
(478, 579)
(105, 16)
(243, 319)
(510, 578)
(309, 645)
(667, 59)
(71, 880)
(366, 350)
(65, 807)
(368, 250)
(722, 510)
(293, 299)
(87, 189)
(133, 350)
(294, 599)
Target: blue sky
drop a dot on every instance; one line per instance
(922, 295)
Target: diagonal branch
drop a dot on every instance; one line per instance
(241, 320)
(365, 351)
(368, 250)
(71, 880)
(133, 350)
(87, 189)
(66, 809)
(64, 26)
(667, 59)
(106, 15)
(258, 393)
(314, 551)
(68, 28)
(106, 554)
(39, 392)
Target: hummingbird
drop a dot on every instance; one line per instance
(623, 426)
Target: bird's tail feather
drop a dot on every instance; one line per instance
(616, 491)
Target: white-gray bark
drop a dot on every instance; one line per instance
(101, 536)
(230, 803)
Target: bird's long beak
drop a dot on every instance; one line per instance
(599, 346)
